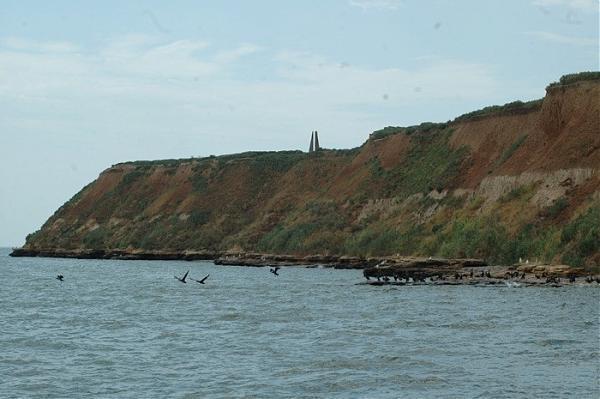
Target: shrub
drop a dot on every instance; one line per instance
(424, 127)
(454, 201)
(199, 217)
(95, 239)
(514, 194)
(515, 107)
(556, 208)
(199, 182)
(287, 239)
(385, 132)
(429, 164)
(479, 238)
(373, 241)
(581, 237)
(575, 77)
(507, 153)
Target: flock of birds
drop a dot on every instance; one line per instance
(183, 279)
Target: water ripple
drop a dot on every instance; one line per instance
(310, 333)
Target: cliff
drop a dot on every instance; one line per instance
(520, 180)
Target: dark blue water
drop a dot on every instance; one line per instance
(128, 329)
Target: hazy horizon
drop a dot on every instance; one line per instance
(87, 86)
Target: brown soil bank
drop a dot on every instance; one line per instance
(502, 183)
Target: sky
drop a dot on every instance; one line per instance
(85, 85)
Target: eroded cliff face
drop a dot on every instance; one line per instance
(523, 183)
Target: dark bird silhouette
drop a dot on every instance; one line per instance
(201, 281)
(60, 277)
(182, 279)
(274, 270)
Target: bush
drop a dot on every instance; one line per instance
(287, 239)
(581, 237)
(129, 178)
(514, 194)
(556, 208)
(424, 127)
(199, 218)
(511, 150)
(429, 164)
(385, 132)
(373, 242)
(515, 107)
(575, 77)
(95, 239)
(478, 238)
(199, 182)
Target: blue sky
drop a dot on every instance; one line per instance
(84, 85)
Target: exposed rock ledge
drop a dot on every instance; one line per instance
(114, 254)
(257, 259)
(342, 262)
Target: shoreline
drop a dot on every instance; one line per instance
(250, 259)
(115, 254)
(378, 271)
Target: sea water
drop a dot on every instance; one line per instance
(128, 329)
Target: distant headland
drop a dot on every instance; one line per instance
(498, 184)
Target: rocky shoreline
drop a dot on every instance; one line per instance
(252, 259)
(378, 271)
(434, 272)
(114, 254)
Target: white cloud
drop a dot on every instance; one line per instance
(148, 88)
(16, 43)
(376, 4)
(562, 39)
(585, 5)
(146, 57)
(229, 56)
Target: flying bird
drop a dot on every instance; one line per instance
(274, 270)
(201, 281)
(182, 279)
(60, 277)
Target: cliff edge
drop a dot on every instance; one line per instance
(502, 183)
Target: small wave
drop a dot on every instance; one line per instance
(556, 342)
(512, 284)
(415, 381)
(230, 316)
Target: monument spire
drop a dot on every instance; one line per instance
(317, 146)
(312, 143)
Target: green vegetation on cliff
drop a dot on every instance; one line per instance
(419, 194)
(574, 78)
